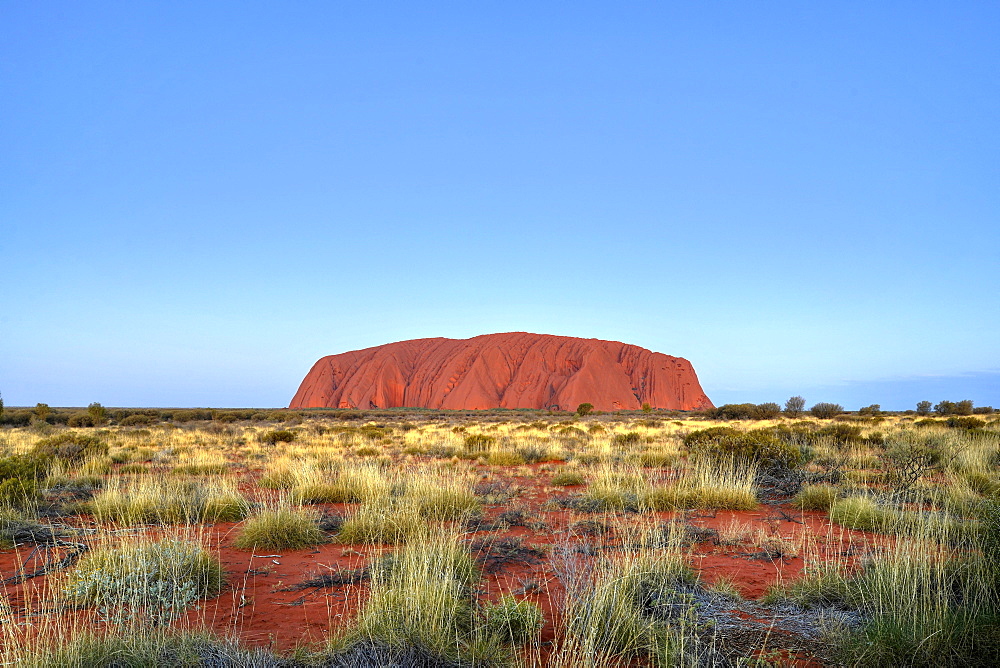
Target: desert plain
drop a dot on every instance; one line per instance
(415, 537)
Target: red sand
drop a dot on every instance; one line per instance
(258, 607)
(514, 370)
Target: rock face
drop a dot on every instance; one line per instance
(514, 370)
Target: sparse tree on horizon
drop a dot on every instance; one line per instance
(794, 406)
(923, 408)
(98, 414)
(963, 407)
(944, 407)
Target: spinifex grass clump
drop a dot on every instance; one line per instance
(724, 483)
(867, 514)
(149, 649)
(351, 484)
(421, 599)
(153, 582)
(931, 599)
(516, 622)
(280, 528)
(616, 488)
(815, 497)
(441, 497)
(566, 477)
(625, 608)
(169, 501)
(928, 606)
(390, 522)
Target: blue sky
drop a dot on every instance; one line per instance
(199, 199)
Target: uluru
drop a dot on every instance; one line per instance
(511, 370)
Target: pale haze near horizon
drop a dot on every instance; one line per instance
(197, 201)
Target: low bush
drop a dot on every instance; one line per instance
(19, 476)
(150, 581)
(277, 436)
(735, 412)
(825, 410)
(757, 445)
(627, 439)
(71, 447)
(966, 423)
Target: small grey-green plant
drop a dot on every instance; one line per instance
(152, 582)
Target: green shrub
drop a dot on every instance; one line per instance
(825, 410)
(757, 445)
(277, 436)
(71, 447)
(136, 420)
(584, 409)
(735, 412)
(19, 476)
(154, 581)
(629, 438)
(767, 411)
(966, 423)
(79, 420)
(841, 433)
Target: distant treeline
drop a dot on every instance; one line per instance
(795, 407)
(96, 415)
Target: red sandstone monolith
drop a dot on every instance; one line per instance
(513, 370)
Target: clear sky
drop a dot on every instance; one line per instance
(200, 199)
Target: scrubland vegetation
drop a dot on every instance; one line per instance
(747, 535)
